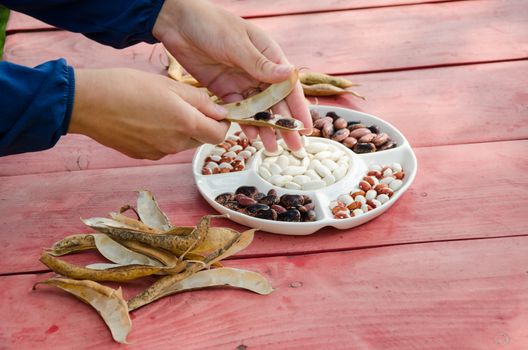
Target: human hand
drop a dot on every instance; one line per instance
(143, 115)
(231, 57)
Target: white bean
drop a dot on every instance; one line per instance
(257, 144)
(283, 161)
(275, 169)
(245, 154)
(218, 151)
(322, 170)
(270, 160)
(340, 172)
(226, 166)
(322, 155)
(301, 179)
(293, 170)
(314, 185)
(211, 165)
(337, 155)
(396, 167)
(301, 153)
(294, 161)
(230, 154)
(274, 178)
(283, 180)
(312, 174)
(387, 180)
(358, 212)
(329, 179)
(387, 172)
(305, 162)
(345, 199)
(395, 185)
(375, 167)
(371, 194)
(265, 173)
(251, 149)
(333, 204)
(292, 186)
(383, 198)
(236, 148)
(315, 147)
(361, 199)
(330, 164)
(376, 203)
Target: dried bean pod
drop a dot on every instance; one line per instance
(341, 134)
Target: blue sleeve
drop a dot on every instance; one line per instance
(35, 105)
(118, 23)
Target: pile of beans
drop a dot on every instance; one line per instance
(376, 188)
(229, 156)
(315, 166)
(354, 135)
(288, 207)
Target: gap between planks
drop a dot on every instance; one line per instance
(313, 252)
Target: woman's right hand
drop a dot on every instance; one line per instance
(143, 115)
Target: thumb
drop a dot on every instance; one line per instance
(261, 68)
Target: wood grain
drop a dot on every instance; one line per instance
(459, 192)
(362, 41)
(467, 104)
(456, 295)
(248, 8)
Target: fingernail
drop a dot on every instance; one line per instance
(220, 110)
(284, 68)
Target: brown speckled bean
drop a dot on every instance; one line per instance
(322, 122)
(328, 130)
(358, 133)
(341, 134)
(350, 142)
(380, 139)
(340, 123)
(367, 138)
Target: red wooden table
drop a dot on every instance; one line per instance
(445, 268)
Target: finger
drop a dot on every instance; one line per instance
(200, 99)
(201, 127)
(251, 132)
(267, 135)
(299, 108)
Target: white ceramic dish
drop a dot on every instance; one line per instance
(211, 186)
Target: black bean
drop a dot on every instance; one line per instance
(291, 200)
(263, 116)
(269, 200)
(233, 205)
(310, 216)
(225, 197)
(286, 123)
(291, 215)
(387, 145)
(272, 192)
(364, 148)
(253, 209)
(259, 196)
(250, 191)
(354, 122)
(269, 214)
(374, 129)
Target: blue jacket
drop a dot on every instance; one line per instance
(36, 103)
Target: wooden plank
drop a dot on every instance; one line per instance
(427, 296)
(384, 39)
(248, 8)
(465, 104)
(460, 192)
